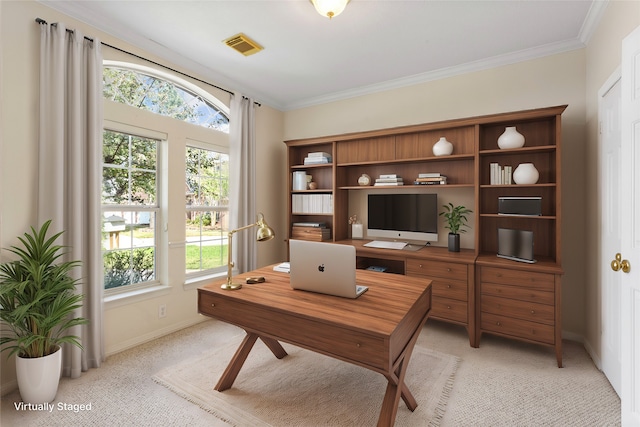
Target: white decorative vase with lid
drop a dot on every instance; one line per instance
(511, 138)
(526, 173)
(442, 147)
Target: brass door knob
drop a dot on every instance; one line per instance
(620, 264)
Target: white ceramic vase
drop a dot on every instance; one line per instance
(511, 138)
(299, 181)
(442, 147)
(38, 377)
(357, 231)
(526, 173)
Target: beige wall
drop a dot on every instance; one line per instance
(553, 80)
(571, 78)
(603, 57)
(128, 324)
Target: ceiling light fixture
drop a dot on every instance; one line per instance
(329, 8)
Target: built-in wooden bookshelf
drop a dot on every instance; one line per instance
(503, 297)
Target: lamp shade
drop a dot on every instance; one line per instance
(264, 231)
(329, 8)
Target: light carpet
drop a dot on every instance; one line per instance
(309, 389)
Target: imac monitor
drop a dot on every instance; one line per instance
(403, 216)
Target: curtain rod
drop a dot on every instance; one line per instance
(43, 22)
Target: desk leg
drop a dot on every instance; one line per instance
(233, 369)
(275, 347)
(396, 386)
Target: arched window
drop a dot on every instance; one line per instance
(152, 162)
(157, 92)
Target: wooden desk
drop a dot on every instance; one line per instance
(377, 331)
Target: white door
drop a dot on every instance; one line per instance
(630, 227)
(610, 121)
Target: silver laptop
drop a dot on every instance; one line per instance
(516, 245)
(327, 268)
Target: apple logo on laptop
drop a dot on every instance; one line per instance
(321, 268)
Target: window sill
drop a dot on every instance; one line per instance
(196, 282)
(134, 296)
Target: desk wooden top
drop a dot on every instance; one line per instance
(373, 330)
(379, 310)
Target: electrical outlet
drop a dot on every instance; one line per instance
(162, 310)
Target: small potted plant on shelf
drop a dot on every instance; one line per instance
(37, 302)
(456, 220)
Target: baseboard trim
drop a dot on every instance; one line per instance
(596, 359)
(126, 345)
(8, 387)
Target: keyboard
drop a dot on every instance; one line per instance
(381, 244)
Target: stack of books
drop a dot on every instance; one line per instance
(388, 179)
(317, 158)
(501, 175)
(314, 231)
(430, 179)
(312, 203)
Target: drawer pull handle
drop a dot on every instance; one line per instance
(420, 265)
(448, 269)
(449, 307)
(213, 305)
(358, 345)
(498, 323)
(533, 312)
(448, 286)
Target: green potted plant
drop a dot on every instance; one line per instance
(456, 220)
(37, 301)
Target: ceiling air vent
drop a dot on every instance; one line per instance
(243, 44)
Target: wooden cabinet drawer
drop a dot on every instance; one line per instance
(455, 289)
(449, 309)
(445, 270)
(529, 279)
(517, 292)
(517, 328)
(520, 309)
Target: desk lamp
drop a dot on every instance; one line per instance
(264, 233)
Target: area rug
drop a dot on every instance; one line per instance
(308, 389)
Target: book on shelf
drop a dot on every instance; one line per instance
(319, 154)
(309, 224)
(317, 160)
(390, 180)
(311, 203)
(430, 175)
(440, 179)
(500, 175)
(431, 182)
(390, 184)
(389, 176)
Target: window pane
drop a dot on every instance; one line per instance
(129, 178)
(161, 97)
(129, 247)
(129, 169)
(206, 247)
(207, 178)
